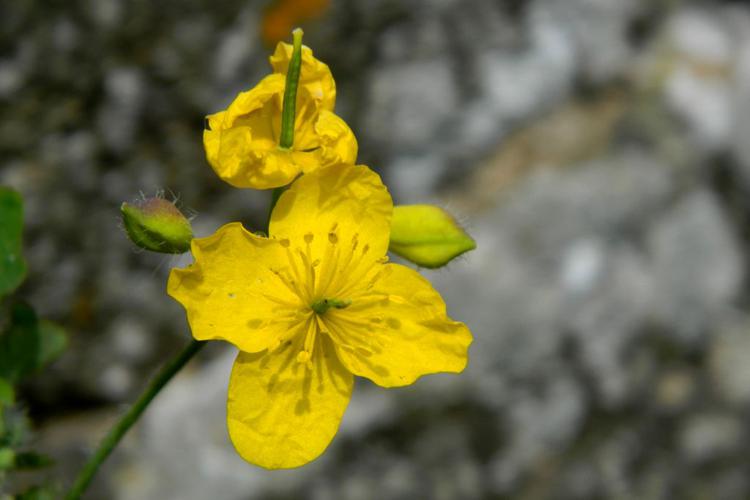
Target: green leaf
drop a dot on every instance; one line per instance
(7, 395)
(19, 344)
(28, 344)
(12, 264)
(427, 235)
(7, 458)
(38, 493)
(52, 342)
(17, 427)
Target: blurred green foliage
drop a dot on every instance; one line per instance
(12, 265)
(27, 344)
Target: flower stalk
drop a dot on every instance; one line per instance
(126, 421)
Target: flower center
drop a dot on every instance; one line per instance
(322, 305)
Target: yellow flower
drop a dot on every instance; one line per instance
(242, 142)
(311, 306)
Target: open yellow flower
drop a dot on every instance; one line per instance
(242, 142)
(311, 306)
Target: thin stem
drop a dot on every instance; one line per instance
(288, 110)
(126, 421)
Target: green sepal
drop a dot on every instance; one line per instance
(156, 224)
(28, 344)
(52, 342)
(427, 235)
(12, 264)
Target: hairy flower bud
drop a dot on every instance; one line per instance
(157, 224)
(427, 235)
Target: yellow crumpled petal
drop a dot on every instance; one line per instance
(212, 137)
(315, 75)
(282, 414)
(338, 144)
(241, 142)
(231, 293)
(403, 334)
(344, 202)
(427, 235)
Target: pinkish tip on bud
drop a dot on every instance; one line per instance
(158, 225)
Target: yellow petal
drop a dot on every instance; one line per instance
(241, 143)
(239, 140)
(268, 93)
(337, 141)
(212, 136)
(282, 413)
(232, 293)
(343, 203)
(399, 331)
(314, 74)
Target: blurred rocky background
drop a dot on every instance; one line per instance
(598, 151)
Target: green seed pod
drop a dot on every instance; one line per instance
(427, 235)
(157, 225)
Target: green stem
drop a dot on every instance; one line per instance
(126, 421)
(288, 110)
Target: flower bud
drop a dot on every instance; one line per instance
(157, 225)
(427, 235)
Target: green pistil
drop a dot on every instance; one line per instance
(321, 306)
(290, 92)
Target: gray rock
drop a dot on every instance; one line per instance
(117, 119)
(235, 50)
(710, 436)
(697, 263)
(730, 371)
(740, 103)
(413, 179)
(407, 103)
(597, 31)
(698, 88)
